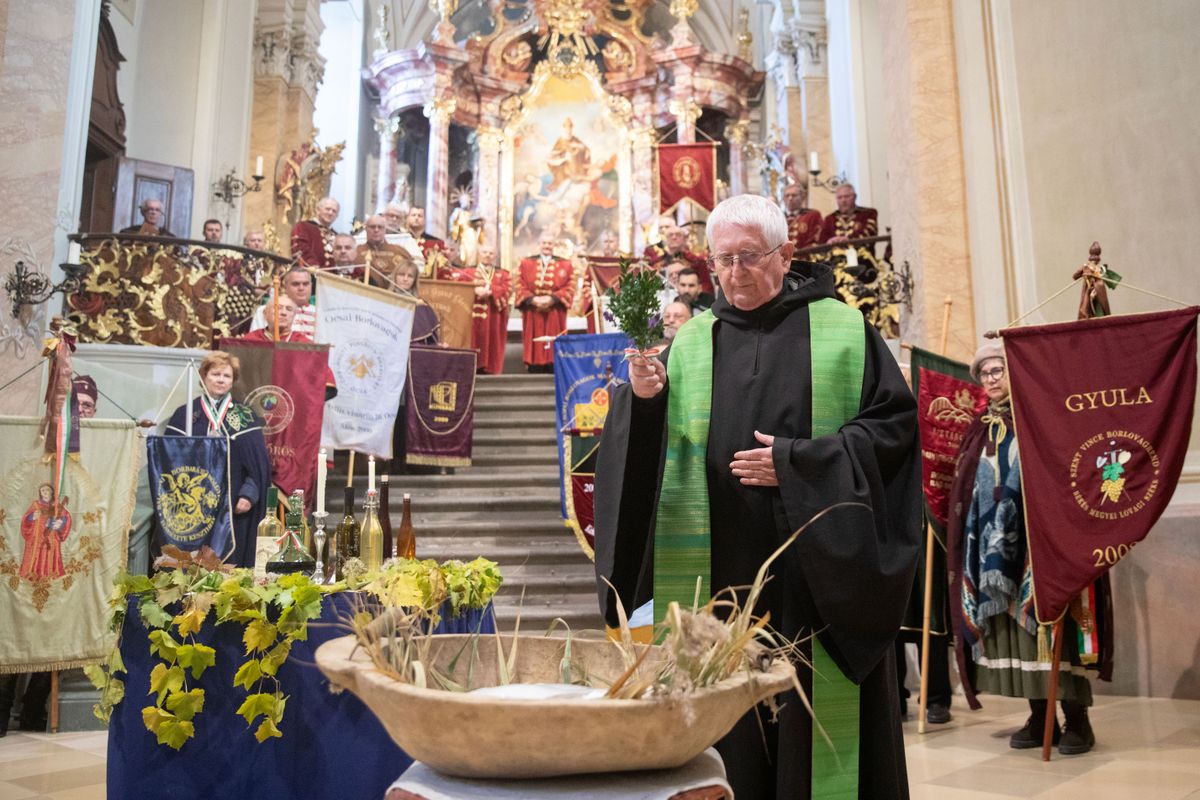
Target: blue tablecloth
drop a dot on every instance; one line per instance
(332, 745)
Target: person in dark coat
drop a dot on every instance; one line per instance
(214, 413)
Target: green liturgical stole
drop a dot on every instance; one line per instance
(682, 532)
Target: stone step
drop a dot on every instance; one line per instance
(504, 403)
(463, 478)
(536, 619)
(458, 502)
(517, 438)
(515, 379)
(515, 420)
(514, 457)
(505, 551)
(510, 392)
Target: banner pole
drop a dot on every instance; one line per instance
(187, 371)
(946, 305)
(1052, 691)
(275, 308)
(926, 624)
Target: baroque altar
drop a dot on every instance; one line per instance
(563, 102)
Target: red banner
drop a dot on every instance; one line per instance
(1103, 410)
(284, 384)
(947, 401)
(687, 172)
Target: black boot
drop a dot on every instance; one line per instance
(1077, 737)
(1031, 735)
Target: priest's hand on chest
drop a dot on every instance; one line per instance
(647, 376)
(754, 467)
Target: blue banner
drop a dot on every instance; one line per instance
(189, 489)
(585, 368)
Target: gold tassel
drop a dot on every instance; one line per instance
(1043, 640)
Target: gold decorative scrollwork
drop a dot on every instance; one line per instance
(166, 294)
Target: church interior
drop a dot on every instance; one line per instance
(171, 165)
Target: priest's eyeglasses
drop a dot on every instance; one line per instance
(749, 259)
(993, 374)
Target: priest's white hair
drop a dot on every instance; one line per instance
(749, 211)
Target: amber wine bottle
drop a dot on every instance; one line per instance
(346, 533)
(292, 557)
(269, 531)
(371, 537)
(406, 537)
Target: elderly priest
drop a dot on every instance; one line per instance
(778, 402)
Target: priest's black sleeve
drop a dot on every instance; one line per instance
(857, 562)
(628, 468)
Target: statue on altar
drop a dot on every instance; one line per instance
(304, 177)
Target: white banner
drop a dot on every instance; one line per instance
(369, 329)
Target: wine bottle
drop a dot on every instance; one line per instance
(292, 557)
(269, 531)
(306, 539)
(371, 537)
(406, 537)
(385, 519)
(346, 534)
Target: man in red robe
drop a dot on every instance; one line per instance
(544, 293)
(850, 221)
(671, 248)
(312, 239)
(489, 314)
(804, 224)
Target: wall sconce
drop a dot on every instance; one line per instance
(814, 170)
(231, 187)
(26, 287)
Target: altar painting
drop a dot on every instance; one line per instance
(565, 167)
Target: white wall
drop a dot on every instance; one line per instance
(186, 86)
(337, 109)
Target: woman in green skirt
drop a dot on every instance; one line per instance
(1000, 646)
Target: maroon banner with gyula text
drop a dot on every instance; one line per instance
(1103, 411)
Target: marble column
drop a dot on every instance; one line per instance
(385, 185)
(686, 112)
(814, 103)
(926, 170)
(736, 133)
(490, 140)
(47, 59)
(437, 183)
(645, 199)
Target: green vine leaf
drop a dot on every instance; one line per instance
(152, 614)
(256, 704)
(248, 674)
(161, 644)
(198, 657)
(164, 679)
(259, 635)
(274, 659)
(186, 705)
(266, 730)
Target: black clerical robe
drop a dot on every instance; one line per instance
(848, 576)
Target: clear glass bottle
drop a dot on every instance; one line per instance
(292, 557)
(406, 537)
(385, 519)
(296, 500)
(346, 535)
(371, 537)
(269, 531)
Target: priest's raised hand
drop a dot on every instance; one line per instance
(648, 376)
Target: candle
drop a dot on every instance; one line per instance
(73, 252)
(370, 473)
(258, 167)
(322, 471)
(813, 164)
(851, 257)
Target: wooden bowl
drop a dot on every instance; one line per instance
(472, 736)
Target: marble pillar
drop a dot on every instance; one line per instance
(47, 54)
(813, 96)
(926, 170)
(437, 182)
(686, 112)
(737, 133)
(385, 184)
(490, 140)
(645, 199)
